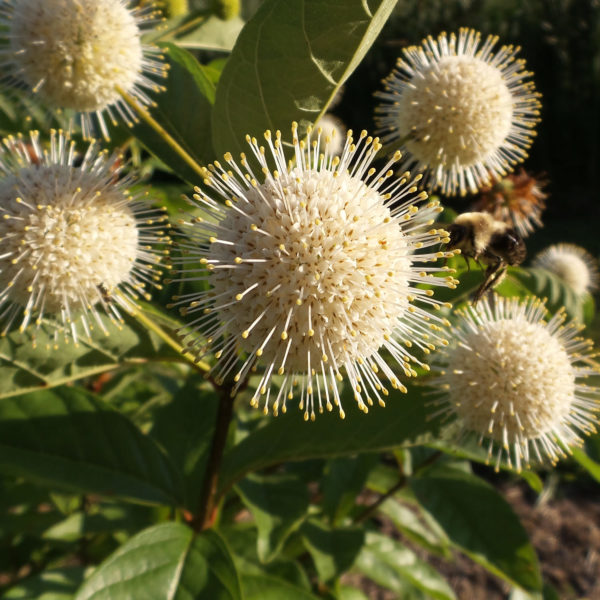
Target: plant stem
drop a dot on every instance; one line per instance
(164, 134)
(208, 500)
(139, 316)
(402, 481)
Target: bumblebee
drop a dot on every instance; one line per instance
(486, 240)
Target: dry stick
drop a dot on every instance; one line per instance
(164, 134)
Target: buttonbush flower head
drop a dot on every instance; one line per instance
(312, 267)
(516, 380)
(70, 234)
(517, 199)
(463, 113)
(574, 265)
(80, 54)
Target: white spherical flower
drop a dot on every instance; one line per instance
(70, 234)
(572, 264)
(312, 271)
(81, 54)
(515, 379)
(463, 113)
(333, 129)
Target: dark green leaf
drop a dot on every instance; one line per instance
(288, 63)
(289, 437)
(333, 550)
(54, 584)
(264, 587)
(167, 561)
(184, 111)
(350, 593)
(343, 480)
(36, 362)
(481, 523)
(185, 427)
(393, 565)
(278, 504)
(71, 440)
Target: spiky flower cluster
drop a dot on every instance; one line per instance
(463, 113)
(517, 199)
(312, 271)
(515, 379)
(80, 54)
(70, 234)
(571, 263)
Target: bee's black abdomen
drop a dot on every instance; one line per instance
(509, 246)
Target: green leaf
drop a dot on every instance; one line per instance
(241, 539)
(346, 592)
(393, 565)
(343, 480)
(53, 584)
(185, 427)
(166, 561)
(481, 523)
(590, 465)
(71, 440)
(212, 34)
(265, 587)
(545, 284)
(278, 504)
(184, 111)
(34, 362)
(333, 550)
(289, 437)
(407, 521)
(288, 63)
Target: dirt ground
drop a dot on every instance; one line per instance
(565, 532)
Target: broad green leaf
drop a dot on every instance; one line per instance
(343, 480)
(265, 587)
(409, 523)
(333, 550)
(278, 504)
(481, 523)
(393, 565)
(53, 584)
(35, 361)
(184, 111)
(69, 439)
(289, 437)
(166, 562)
(241, 539)
(212, 33)
(288, 63)
(184, 427)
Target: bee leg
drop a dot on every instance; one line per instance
(493, 274)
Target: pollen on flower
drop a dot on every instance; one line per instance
(312, 272)
(516, 380)
(571, 263)
(463, 113)
(81, 54)
(70, 236)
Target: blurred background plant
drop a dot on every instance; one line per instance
(125, 475)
